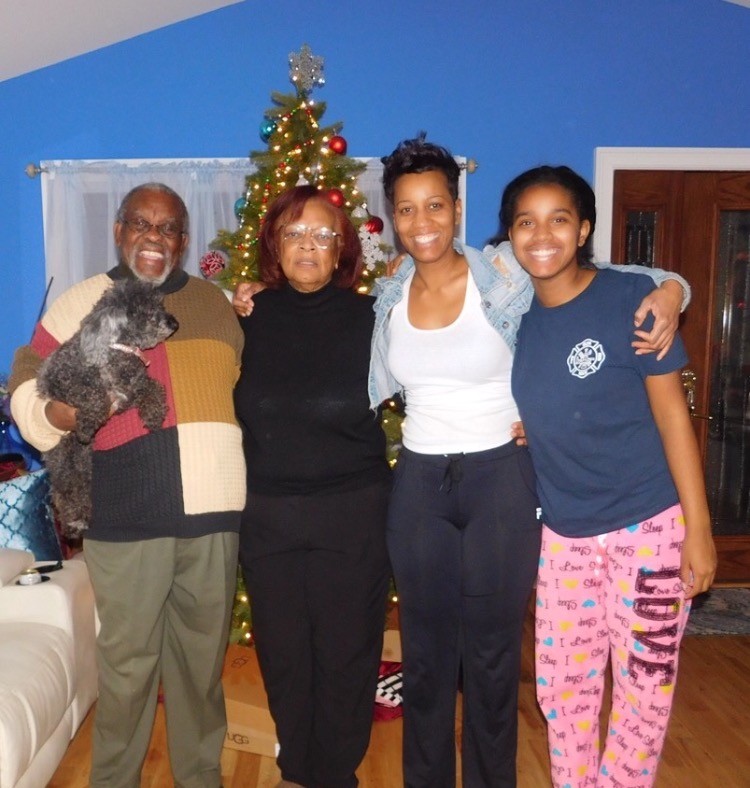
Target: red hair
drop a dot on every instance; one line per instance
(288, 207)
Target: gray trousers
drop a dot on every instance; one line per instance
(165, 607)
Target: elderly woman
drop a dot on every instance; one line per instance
(312, 543)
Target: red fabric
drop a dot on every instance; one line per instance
(10, 468)
(380, 712)
(43, 342)
(384, 713)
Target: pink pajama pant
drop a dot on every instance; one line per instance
(618, 595)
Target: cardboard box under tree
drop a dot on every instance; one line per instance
(392, 636)
(249, 723)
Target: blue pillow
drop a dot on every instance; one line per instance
(26, 519)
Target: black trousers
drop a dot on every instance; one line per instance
(316, 569)
(464, 542)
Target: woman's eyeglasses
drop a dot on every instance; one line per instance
(322, 237)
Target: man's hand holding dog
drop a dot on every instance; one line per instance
(61, 415)
(65, 417)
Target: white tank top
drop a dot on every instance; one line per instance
(456, 380)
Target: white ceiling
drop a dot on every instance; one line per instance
(38, 33)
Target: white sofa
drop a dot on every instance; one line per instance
(47, 666)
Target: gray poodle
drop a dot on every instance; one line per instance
(99, 370)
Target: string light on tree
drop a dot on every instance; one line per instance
(299, 149)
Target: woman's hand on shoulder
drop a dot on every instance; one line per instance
(664, 303)
(518, 433)
(393, 265)
(242, 300)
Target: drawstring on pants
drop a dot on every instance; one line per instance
(453, 472)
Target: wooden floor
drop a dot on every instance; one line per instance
(708, 744)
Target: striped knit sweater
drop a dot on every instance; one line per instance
(185, 480)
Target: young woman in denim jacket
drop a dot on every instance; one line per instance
(463, 531)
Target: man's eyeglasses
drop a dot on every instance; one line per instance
(322, 237)
(140, 226)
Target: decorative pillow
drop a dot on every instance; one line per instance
(12, 563)
(26, 520)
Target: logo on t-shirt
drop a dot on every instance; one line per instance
(586, 358)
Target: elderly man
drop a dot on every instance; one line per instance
(162, 543)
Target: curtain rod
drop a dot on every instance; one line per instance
(32, 170)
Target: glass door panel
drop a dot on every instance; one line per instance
(640, 237)
(728, 444)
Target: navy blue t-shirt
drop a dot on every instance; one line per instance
(580, 389)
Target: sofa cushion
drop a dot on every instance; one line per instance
(12, 563)
(36, 689)
(26, 520)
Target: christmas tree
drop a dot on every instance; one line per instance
(300, 150)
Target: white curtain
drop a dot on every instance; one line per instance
(80, 200)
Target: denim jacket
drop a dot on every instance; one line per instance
(506, 296)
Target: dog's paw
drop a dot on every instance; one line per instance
(90, 420)
(74, 529)
(152, 407)
(153, 419)
(85, 434)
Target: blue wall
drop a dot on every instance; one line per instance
(509, 83)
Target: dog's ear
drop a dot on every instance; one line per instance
(99, 331)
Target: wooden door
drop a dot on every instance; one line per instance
(698, 224)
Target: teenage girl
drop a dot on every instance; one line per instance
(626, 540)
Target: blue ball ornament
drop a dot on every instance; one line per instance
(239, 207)
(267, 128)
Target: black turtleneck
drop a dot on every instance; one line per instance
(302, 394)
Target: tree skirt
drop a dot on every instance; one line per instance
(722, 611)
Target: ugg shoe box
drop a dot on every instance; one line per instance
(249, 723)
(392, 636)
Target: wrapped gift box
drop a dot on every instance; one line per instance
(249, 723)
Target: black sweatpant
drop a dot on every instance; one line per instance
(464, 542)
(316, 569)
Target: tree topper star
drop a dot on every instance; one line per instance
(306, 69)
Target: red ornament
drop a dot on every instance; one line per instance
(338, 145)
(211, 263)
(335, 197)
(374, 225)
